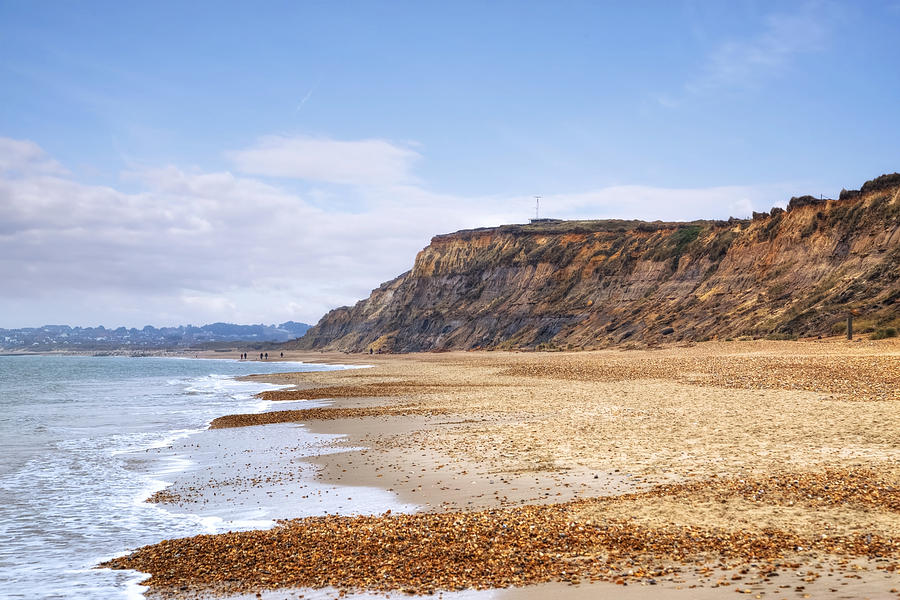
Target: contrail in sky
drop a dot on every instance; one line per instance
(308, 95)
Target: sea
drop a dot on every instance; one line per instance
(84, 441)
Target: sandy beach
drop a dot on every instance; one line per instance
(768, 468)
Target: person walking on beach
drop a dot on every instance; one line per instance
(282, 355)
(267, 356)
(260, 356)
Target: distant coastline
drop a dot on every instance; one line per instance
(52, 338)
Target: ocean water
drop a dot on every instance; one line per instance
(84, 441)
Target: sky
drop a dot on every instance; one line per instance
(168, 163)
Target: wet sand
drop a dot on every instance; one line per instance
(781, 459)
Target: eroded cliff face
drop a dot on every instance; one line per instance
(596, 283)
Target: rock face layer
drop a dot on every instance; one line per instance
(597, 283)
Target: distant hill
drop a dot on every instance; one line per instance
(64, 337)
(577, 284)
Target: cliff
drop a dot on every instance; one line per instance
(790, 272)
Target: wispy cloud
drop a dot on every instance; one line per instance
(749, 63)
(355, 162)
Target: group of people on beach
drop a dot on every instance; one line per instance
(262, 355)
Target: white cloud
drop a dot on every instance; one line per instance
(191, 244)
(25, 157)
(359, 162)
(666, 204)
(194, 247)
(216, 306)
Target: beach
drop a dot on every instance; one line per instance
(768, 468)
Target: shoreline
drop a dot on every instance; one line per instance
(434, 460)
(860, 341)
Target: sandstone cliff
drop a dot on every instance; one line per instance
(596, 283)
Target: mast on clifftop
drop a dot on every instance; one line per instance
(537, 208)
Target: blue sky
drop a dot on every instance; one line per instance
(170, 162)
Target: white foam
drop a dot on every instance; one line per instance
(220, 525)
(172, 437)
(262, 406)
(133, 588)
(177, 464)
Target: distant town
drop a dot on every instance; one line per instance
(64, 337)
